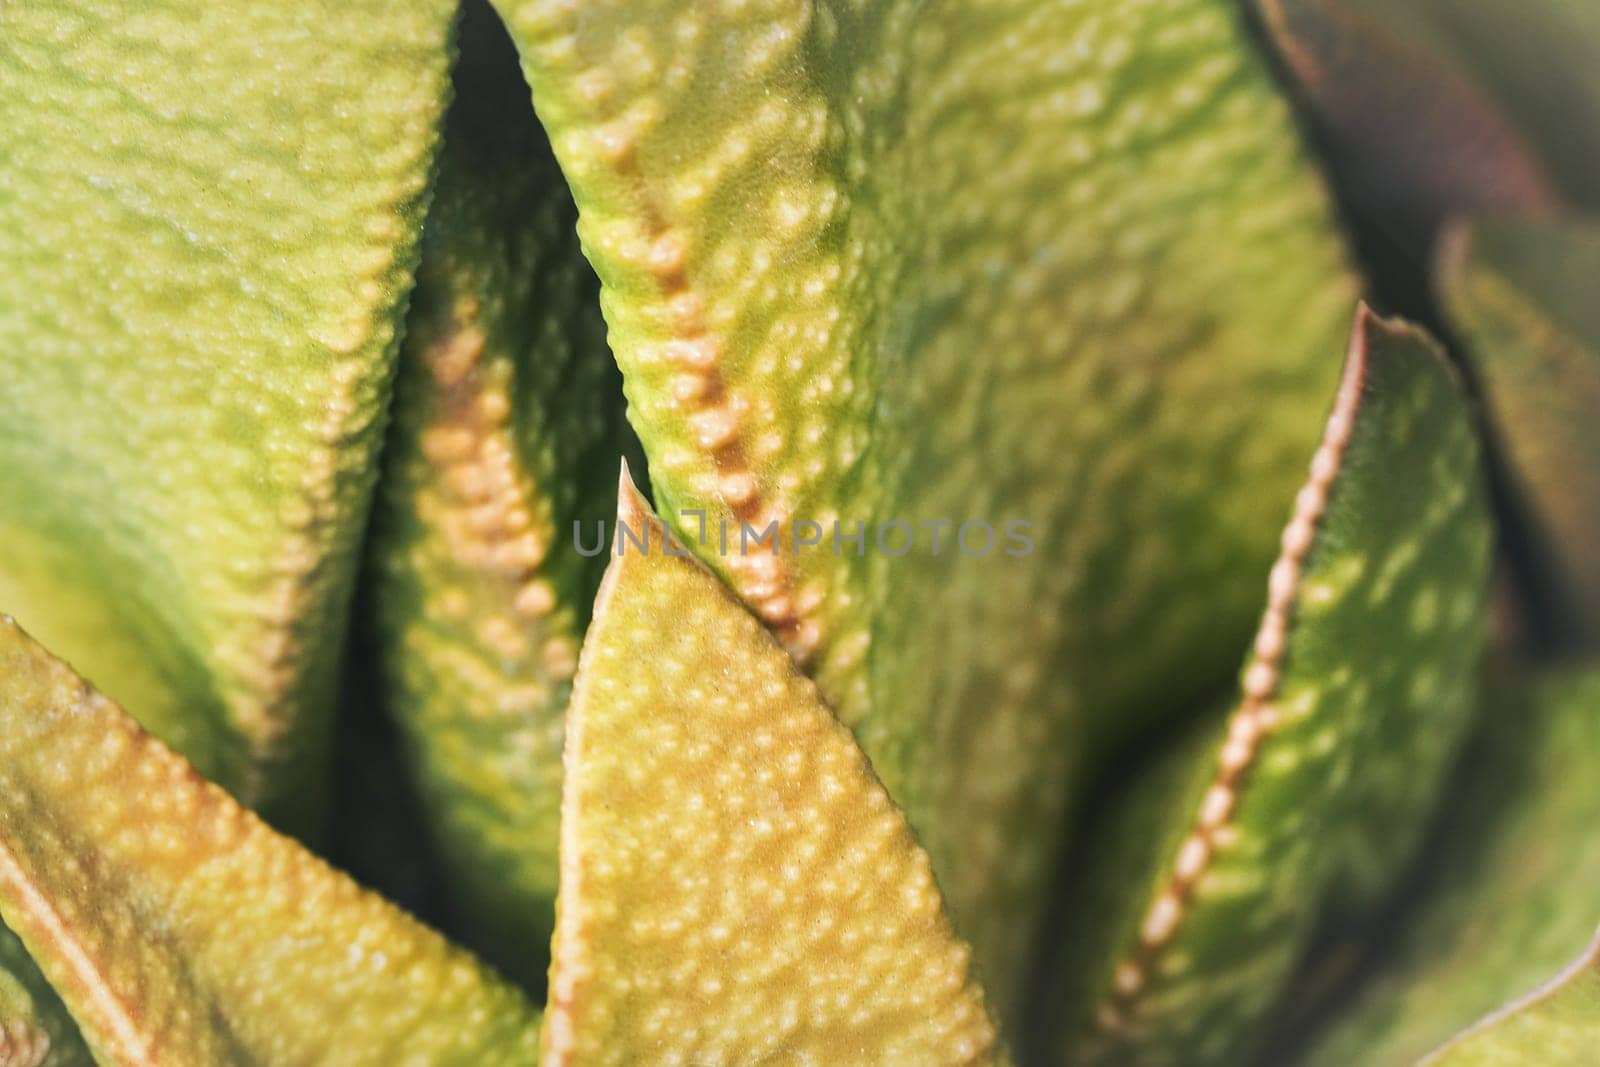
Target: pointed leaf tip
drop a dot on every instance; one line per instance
(735, 885)
(1353, 701)
(631, 504)
(769, 387)
(1377, 341)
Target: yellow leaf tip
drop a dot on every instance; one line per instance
(633, 509)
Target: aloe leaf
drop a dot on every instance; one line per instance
(208, 218)
(736, 886)
(178, 928)
(35, 1029)
(1507, 899)
(1522, 295)
(1016, 268)
(508, 418)
(1353, 702)
(1553, 1027)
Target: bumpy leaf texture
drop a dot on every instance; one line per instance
(1219, 869)
(508, 426)
(736, 885)
(208, 215)
(1508, 896)
(1523, 297)
(178, 928)
(1057, 266)
(35, 1027)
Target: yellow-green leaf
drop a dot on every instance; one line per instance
(1506, 897)
(1059, 271)
(1522, 295)
(1353, 704)
(1557, 1026)
(179, 929)
(35, 1028)
(736, 886)
(208, 219)
(508, 426)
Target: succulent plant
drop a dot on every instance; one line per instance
(1000, 376)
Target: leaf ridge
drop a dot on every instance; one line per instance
(1256, 717)
(132, 1044)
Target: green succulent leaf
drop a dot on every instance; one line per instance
(898, 269)
(1507, 898)
(508, 425)
(736, 886)
(1555, 1027)
(178, 928)
(208, 217)
(1522, 295)
(1353, 703)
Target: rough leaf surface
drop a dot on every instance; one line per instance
(180, 929)
(736, 886)
(1508, 895)
(1523, 296)
(208, 216)
(1353, 702)
(508, 425)
(35, 1029)
(1012, 263)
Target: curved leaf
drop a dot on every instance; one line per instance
(1508, 898)
(1420, 135)
(1555, 1027)
(35, 1029)
(178, 928)
(1442, 107)
(1523, 296)
(208, 216)
(508, 425)
(906, 269)
(1352, 705)
(736, 886)
(1542, 58)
